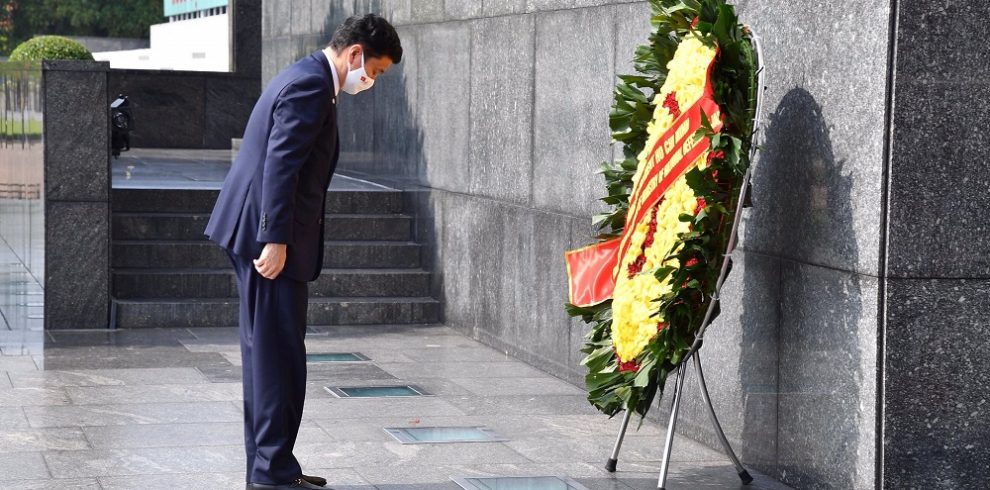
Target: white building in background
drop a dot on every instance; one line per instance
(196, 37)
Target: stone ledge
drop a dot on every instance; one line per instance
(75, 65)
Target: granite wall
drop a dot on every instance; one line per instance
(185, 109)
(795, 350)
(497, 118)
(936, 374)
(77, 194)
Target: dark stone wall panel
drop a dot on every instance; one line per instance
(77, 133)
(185, 109)
(939, 224)
(77, 264)
(937, 378)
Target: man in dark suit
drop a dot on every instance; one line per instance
(269, 219)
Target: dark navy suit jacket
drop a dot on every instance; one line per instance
(276, 187)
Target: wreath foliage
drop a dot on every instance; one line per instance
(613, 387)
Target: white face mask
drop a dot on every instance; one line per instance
(357, 80)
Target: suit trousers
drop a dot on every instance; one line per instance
(272, 325)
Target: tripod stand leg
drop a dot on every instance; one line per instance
(743, 474)
(610, 464)
(669, 443)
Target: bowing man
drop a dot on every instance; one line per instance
(269, 219)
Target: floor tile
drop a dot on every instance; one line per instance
(472, 354)
(22, 466)
(161, 408)
(340, 478)
(173, 481)
(704, 477)
(464, 369)
(518, 386)
(232, 358)
(63, 484)
(142, 461)
(12, 418)
(145, 337)
(17, 364)
(347, 454)
(28, 440)
(221, 374)
(170, 393)
(524, 404)
(107, 377)
(635, 448)
(351, 371)
(108, 357)
(19, 397)
(343, 408)
(132, 413)
(192, 434)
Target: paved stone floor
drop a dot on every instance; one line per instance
(161, 408)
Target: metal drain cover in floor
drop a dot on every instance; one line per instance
(337, 357)
(518, 483)
(442, 435)
(376, 391)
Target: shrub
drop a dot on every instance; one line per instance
(50, 48)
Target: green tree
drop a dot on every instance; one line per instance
(110, 18)
(6, 24)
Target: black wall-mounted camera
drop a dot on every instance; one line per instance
(121, 125)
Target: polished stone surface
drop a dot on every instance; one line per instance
(73, 425)
(77, 133)
(246, 37)
(570, 88)
(940, 42)
(499, 116)
(938, 182)
(826, 419)
(446, 125)
(77, 194)
(77, 281)
(818, 183)
(186, 109)
(935, 375)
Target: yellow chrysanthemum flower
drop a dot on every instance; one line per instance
(633, 327)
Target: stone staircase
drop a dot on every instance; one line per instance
(165, 273)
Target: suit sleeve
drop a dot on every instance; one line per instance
(297, 118)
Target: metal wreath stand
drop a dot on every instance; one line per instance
(693, 352)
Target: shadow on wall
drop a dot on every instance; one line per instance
(378, 131)
(802, 201)
(380, 137)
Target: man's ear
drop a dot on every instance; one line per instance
(354, 55)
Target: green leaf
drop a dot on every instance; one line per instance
(644, 375)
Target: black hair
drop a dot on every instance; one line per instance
(372, 32)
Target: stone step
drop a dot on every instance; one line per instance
(203, 200)
(158, 254)
(190, 226)
(222, 283)
(190, 312)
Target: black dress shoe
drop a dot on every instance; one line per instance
(315, 480)
(300, 483)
